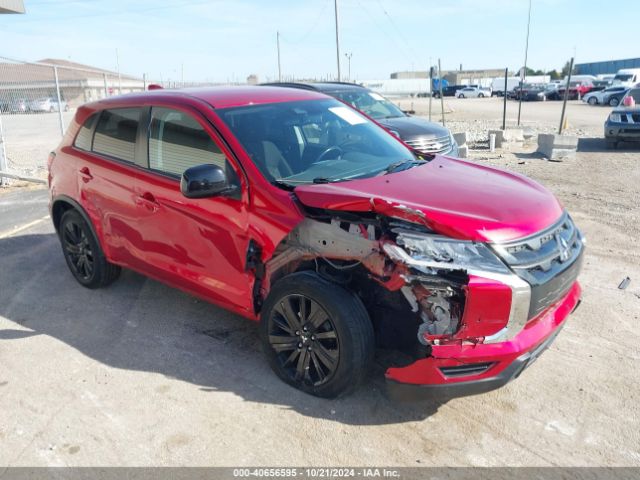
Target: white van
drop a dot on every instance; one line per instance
(627, 77)
(497, 85)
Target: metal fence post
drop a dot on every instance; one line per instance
(440, 87)
(504, 100)
(566, 96)
(106, 90)
(60, 119)
(3, 155)
(430, 89)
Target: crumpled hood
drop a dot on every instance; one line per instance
(453, 197)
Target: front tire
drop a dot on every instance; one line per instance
(317, 336)
(83, 254)
(592, 101)
(461, 95)
(481, 95)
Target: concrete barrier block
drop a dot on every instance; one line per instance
(557, 147)
(513, 135)
(499, 137)
(463, 151)
(460, 138)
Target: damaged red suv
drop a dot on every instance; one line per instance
(290, 208)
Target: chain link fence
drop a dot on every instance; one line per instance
(37, 102)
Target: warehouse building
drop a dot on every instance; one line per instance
(11, 6)
(482, 77)
(607, 67)
(78, 83)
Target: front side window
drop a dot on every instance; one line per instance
(313, 141)
(116, 133)
(178, 142)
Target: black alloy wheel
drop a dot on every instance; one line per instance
(317, 335)
(305, 339)
(82, 252)
(78, 250)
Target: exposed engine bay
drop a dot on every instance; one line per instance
(412, 308)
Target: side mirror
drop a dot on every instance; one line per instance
(205, 181)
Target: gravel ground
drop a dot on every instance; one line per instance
(141, 374)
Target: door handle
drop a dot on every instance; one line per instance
(149, 201)
(85, 173)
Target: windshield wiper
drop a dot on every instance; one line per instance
(285, 185)
(403, 165)
(323, 180)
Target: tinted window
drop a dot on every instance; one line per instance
(116, 133)
(83, 140)
(371, 103)
(177, 142)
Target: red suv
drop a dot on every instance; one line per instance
(290, 208)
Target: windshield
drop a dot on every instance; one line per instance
(371, 103)
(313, 141)
(623, 77)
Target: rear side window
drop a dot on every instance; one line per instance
(178, 142)
(83, 139)
(116, 133)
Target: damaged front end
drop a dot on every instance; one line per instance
(446, 309)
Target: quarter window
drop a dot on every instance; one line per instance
(83, 139)
(178, 142)
(116, 133)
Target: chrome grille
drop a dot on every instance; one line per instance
(549, 261)
(430, 145)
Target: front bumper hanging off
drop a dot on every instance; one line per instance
(497, 363)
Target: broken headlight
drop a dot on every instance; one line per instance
(437, 252)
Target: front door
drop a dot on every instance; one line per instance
(199, 245)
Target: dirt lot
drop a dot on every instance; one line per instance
(141, 374)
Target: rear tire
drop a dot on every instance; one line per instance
(461, 95)
(317, 336)
(83, 254)
(481, 95)
(614, 102)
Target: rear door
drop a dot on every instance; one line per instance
(199, 245)
(106, 174)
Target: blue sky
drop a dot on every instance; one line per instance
(227, 40)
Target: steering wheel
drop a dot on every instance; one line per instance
(333, 148)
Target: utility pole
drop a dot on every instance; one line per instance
(335, 8)
(278, 45)
(524, 73)
(119, 76)
(182, 75)
(349, 55)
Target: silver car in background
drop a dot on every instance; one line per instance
(48, 104)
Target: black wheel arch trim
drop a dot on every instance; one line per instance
(76, 206)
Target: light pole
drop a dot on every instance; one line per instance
(523, 76)
(335, 8)
(349, 55)
(279, 69)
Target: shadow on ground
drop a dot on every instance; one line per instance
(139, 324)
